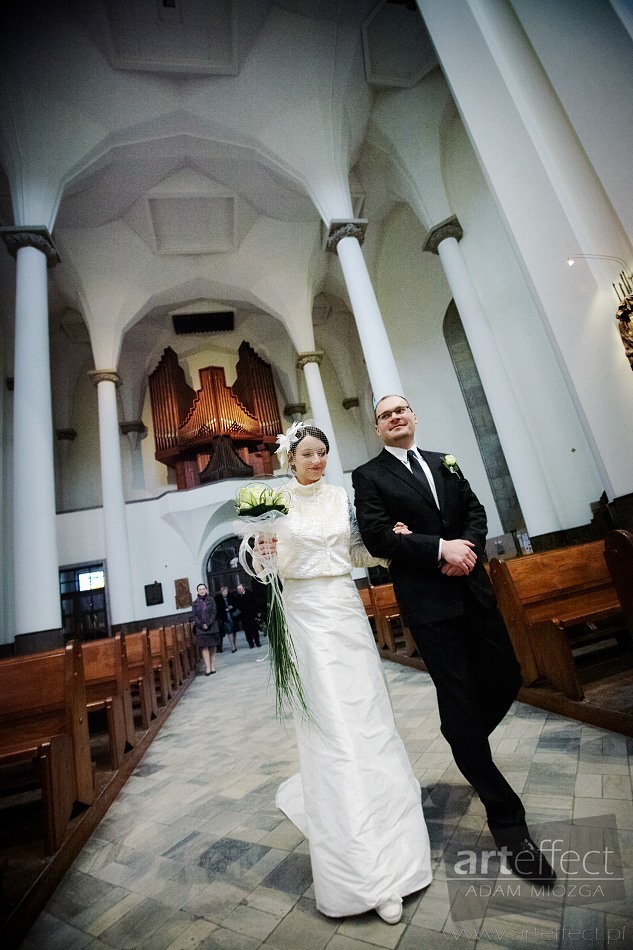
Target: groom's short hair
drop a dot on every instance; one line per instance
(389, 396)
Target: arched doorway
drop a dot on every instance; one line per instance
(223, 568)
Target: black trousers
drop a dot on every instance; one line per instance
(476, 676)
(252, 632)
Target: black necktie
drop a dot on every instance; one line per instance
(418, 471)
(416, 468)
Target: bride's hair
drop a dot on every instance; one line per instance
(307, 428)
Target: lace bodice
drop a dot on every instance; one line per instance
(319, 537)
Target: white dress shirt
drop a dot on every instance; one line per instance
(401, 455)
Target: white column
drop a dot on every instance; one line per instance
(36, 566)
(345, 238)
(527, 475)
(516, 122)
(309, 363)
(119, 574)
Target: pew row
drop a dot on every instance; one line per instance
(160, 664)
(174, 657)
(553, 602)
(43, 720)
(141, 674)
(391, 631)
(108, 690)
(618, 553)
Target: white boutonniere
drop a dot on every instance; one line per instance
(450, 462)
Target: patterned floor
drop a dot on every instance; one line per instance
(193, 853)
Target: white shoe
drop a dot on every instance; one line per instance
(391, 910)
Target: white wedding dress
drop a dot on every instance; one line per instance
(356, 798)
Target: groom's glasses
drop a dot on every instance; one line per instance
(398, 411)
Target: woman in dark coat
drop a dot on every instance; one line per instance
(207, 631)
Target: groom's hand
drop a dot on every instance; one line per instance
(458, 557)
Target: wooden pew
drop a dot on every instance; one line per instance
(618, 553)
(551, 602)
(386, 610)
(365, 596)
(185, 658)
(43, 719)
(141, 672)
(108, 688)
(192, 650)
(160, 664)
(173, 655)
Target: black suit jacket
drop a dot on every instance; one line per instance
(387, 492)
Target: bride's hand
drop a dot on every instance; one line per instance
(266, 547)
(401, 528)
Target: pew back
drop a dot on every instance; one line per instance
(387, 610)
(141, 673)
(160, 663)
(543, 597)
(43, 717)
(108, 687)
(618, 553)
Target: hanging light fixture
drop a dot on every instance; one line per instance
(624, 287)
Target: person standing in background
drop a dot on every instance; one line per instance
(204, 614)
(226, 617)
(246, 608)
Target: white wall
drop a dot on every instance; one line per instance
(170, 537)
(591, 73)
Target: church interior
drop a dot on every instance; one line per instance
(219, 217)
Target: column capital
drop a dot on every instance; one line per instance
(66, 435)
(351, 403)
(104, 375)
(293, 409)
(341, 228)
(315, 357)
(451, 228)
(37, 237)
(134, 425)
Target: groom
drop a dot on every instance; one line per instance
(436, 552)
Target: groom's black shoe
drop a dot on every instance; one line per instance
(526, 861)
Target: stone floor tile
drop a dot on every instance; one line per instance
(216, 900)
(371, 929)
(174, 929)
(418, 938)
(619, 931)
(432, 913)
(191, 937)
(274, 902)
(341, 942)
(136, 925)
(588, 785)
(605, 765)
(617, 786)
(304, 927)
(51, 933)
(293, 875)
(250, 921)
(620, 810)
(222, 939)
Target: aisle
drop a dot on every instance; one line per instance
(194, 854)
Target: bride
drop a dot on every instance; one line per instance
(355, 798)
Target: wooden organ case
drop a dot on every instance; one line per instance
(219, 431)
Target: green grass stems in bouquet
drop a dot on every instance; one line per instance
(259, 506)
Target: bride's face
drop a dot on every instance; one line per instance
(309, 459)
